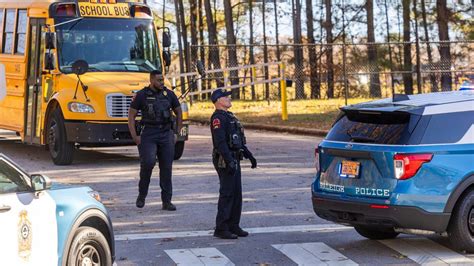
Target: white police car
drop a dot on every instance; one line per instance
(51, 224)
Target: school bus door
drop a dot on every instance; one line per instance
(34, 82)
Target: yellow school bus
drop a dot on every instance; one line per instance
(54, 99)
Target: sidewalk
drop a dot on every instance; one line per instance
(285, 129)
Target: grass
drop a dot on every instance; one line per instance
(314, 114)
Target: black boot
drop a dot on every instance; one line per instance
(239, 232)
(168, 206)
(140, 201)
(224, 234)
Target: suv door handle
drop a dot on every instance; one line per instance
(5, 208)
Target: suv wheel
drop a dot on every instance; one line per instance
(461, 226)
(89, 247)
(376, 233)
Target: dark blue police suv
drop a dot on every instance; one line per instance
(401, 165)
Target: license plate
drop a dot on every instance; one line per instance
(349, 169)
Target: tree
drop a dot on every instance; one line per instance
(231, 46)
(407, 65)
(251, 43)
(387, 26)
(298, 52)
(372, 51)
(314, 81)
(180, 45)
(329, 55)
(214, 58)
(444, 47)
(434, 83)
(184, 35)
(265, 49)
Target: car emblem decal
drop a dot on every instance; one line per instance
(24, 236)
(349, 146)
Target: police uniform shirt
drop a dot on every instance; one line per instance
(220, 128)
(139, 101)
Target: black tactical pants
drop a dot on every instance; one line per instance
(229, 206)
(156, 142)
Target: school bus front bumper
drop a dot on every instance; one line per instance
(93, 133)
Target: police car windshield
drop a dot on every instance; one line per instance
(111, 45)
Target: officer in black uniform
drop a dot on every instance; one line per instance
(228, 140)
(157, 137)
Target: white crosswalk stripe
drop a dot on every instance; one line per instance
(426, 252)
(316, 253)
(198, 256)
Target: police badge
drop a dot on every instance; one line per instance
(24, 236)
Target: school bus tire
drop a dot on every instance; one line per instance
(60, 149)
(178, 150)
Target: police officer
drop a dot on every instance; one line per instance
(157, 137)
(228, 140)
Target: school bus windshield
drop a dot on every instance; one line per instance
(110, 45)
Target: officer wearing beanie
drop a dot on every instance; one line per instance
(156, 102)
(228, 141)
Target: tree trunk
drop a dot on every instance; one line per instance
(407, 65)
(231, 46)
(180, 45)
(444, 47)
(265, 50)
(298, 52)
(202, 54)
(387, 26)
(315, 84)
(277, 35)
(184, 34)
(214, 58)
(372, 52)
(251, 43)
(194, 36)
(434, 83)
(193, 27)
(329, 55)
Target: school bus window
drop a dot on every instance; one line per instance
(8, 32)
(108, 45)
(1, 27)
(21, 32)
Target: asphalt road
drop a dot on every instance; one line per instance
(277, 208)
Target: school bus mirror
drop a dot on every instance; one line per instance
(200, 68)
(167, 58)
(166, 39)
(80, 67)
(50, 40)
(49, 63)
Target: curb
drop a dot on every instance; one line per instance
(285, 129)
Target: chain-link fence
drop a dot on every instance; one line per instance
(340, 70)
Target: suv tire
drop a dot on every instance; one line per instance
(376, 233)
(89, 246)
(461, 226)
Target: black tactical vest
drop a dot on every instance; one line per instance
(236, 137)
(157, 109)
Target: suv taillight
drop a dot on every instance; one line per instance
(316, 158)
(406, 165)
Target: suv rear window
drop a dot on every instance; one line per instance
(373, 127)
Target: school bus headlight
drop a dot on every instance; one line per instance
(80, 108)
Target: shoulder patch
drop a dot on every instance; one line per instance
(216, 123)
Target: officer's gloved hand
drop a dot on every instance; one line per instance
(253, 161)
(232, 167)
